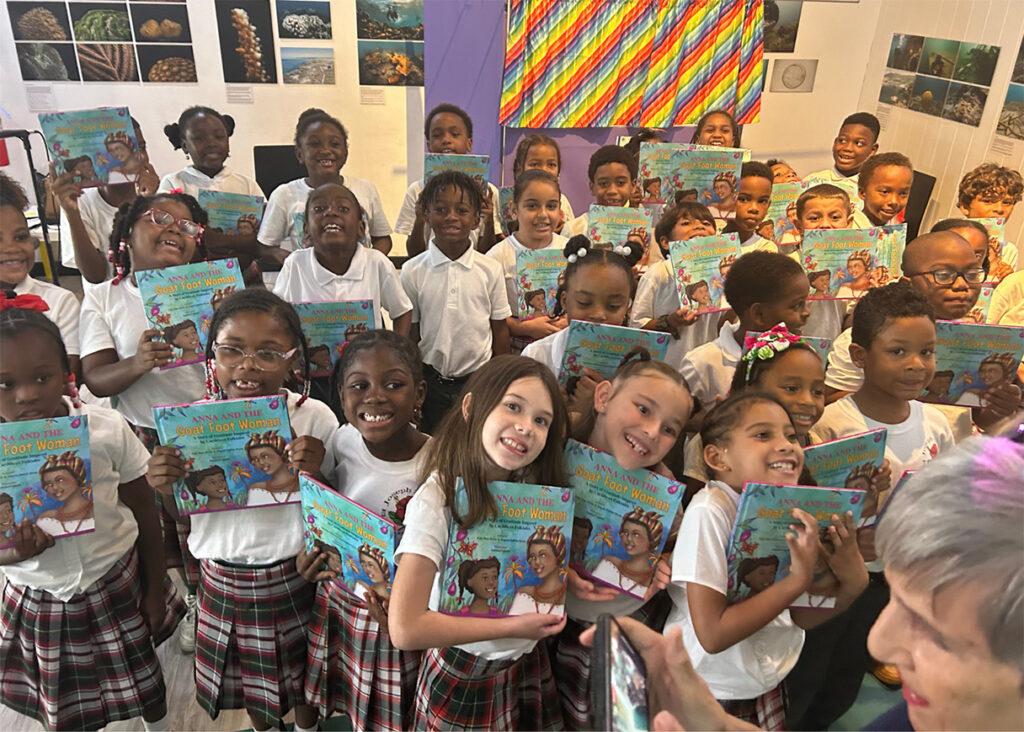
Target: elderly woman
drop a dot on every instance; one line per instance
(952, 541)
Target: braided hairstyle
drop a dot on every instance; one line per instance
(580, 252)
(124, 222)
(176, 130)
(16, 321)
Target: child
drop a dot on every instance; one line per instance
(536, 195)
(856, 142)
(884, 186)
(636, 417)
(752, 199)
(717, 128)
(480, 673)
(460, 307)
(782, 172)
(18, 256)
(540, 152)
(744, 650)
(448, 129)
(321, 144)
(991, 191)
(352, 666)
(764, 289)
(80, 619)
(254, 605)
(335, 267)
(975, 234)
(611, 172)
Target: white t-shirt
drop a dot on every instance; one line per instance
(407, 214)
(73, 563)
(505, 253)
(708, 370)
(274, 532)
(191, 181)
(549, 350)
(427, 520)
(98, 219)
(370, 276)
(579, 225)
(757, 663)
(757, 243)
(113, 317)
(454, 302)
(64, 309)
(1007, 305)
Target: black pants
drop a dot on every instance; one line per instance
(442, 393)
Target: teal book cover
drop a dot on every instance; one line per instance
(671, 171)
(97, 146)
(328, 326)
(979, 313)
(622, 519)
(477, 167)
(601, 347)
(46, 477)
(538, 273)
(506, 208)
(613, 226)
(359, 544)
(235, 453)
(839, 262)
(757, 553)
(302, 240)
(970, 359)
(512, 564)
(849, 462)
(232, 213)
(892, 240)
(782, 211)
(180, 301)
(700, 266)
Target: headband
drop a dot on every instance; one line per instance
(765, 346)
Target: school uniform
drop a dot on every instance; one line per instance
(504, 252)
(77, 652)
(191, 180)
(757, 243)
(64, 309)
(579, 225)
(98, 218)
(1007, 305)
(549, 350)
(407, 214)
(708, 370)
(501, 684)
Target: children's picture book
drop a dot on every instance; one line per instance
(700, 266)
(97, 146)
(234, 452)
(821, 346)
(359, 544)
(672, 172)
(847, 184)
(477, 167)
(622, 519)
(839, 261)
(849, 462)
(232, 213)
(601, 347)
(538, 273)
(892, 240)
(613, 226)
(180, 301)
(757, 553)
(46, 477)
(970, 359)
(299, 230)
(782, 211)
(979, 313)
(998, 269)
(328, 326)
(514, 563)
(506, 208)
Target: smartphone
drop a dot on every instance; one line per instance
(618, 681)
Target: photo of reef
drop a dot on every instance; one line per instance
(310, 20)
(390, 19)
(391, 63)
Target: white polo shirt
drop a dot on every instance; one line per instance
(64, 309)
(708, 370)
(504, 252)
(454, 303)
(370, 276)
(191, 181)
(98, 219)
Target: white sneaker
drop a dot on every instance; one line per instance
(186, 632)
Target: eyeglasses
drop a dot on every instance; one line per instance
(948, 276)
(162, 218)
(264, 359)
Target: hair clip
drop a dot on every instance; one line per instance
(621, 250)
(764, 346)
(581, 252)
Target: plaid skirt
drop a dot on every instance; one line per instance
(767, 711)
(353, 668)
(251, 639)
(462, 691)
(87, 662)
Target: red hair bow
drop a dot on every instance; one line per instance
(23, 302)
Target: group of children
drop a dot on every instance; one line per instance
(273, 634)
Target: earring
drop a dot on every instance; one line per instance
(417, 415)
(213, 390)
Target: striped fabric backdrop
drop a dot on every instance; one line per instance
(657, 63)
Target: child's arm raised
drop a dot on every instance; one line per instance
(88, 258)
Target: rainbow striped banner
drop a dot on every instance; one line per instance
(657, 63)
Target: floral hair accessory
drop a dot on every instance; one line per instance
(23, 302)
(765, 346)
(176, 190)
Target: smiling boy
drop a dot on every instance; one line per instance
(612, 171)
(884, 187)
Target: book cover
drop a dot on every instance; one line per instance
(839, 261)
(849, 462)
(359, 544)
(671, 172)
(601, 348)
(612, 226)
(821, 346)
(234, 451)
(97, 146)
(998, 269)
(46, 477)
(232, 213)
(847, 184)
(179, 302)
(757, 553)
(538, 273)
(700, 266)
(979, 313)
(328, 326)
(506, 208)
(782, 210)
(892, 240)
(299, 234)
(512, 564)
(622, 519)
(477, 167)
(971, 359)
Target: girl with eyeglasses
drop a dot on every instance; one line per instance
(250, 586)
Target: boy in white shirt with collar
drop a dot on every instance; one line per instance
(611, 171)
(884, 188)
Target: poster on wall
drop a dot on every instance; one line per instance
(246, 41)
(1017, 77)
(781, 23)
(976, 63)
(905, 52)
(1011, 117)
(390, 20)
(938, 57)
(307, 65)
(965, 103)
(792, 75)
(897, 89)
(308, 20)
(929, 95)
(390, 42)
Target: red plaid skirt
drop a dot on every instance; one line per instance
(461, 691)
(87, 662)
(353, 668)
(767, 711)
(251, 639)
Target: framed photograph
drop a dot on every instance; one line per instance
(793, 75)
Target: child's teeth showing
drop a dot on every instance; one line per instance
(241, 384)
(373, 418)
(636, 446)
(513, 445)
(786, 465)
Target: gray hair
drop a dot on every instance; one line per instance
(961, 519)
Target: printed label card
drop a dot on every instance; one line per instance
(234, 451)
(601, 347)
(849, 462)
(328, 326)
(235, 214)
(538, 273)
(97, 146)
(970, 359)
(613, 226)
(892, 240)
(622, 519)
(46, 477)
(839, 262)
(782, 211)
(512, 564)
(700, 266)
(359, 544)
(180, 301)
(476, 167)
(673, 172)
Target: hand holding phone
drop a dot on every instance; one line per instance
(618, 681)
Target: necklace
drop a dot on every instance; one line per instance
(81, 514)
(639, 578)
(291, 486)
(557, 597)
